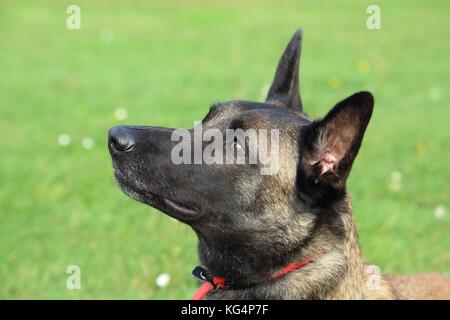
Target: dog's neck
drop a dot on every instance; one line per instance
(338, 273)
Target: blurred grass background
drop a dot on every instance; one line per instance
(164, 63)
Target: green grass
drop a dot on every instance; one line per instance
(167, 62)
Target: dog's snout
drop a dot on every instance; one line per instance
(121, 139)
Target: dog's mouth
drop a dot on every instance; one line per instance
(176, 209)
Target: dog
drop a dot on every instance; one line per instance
(286, 235)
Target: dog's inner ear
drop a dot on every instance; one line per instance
(330, 145)
(284, 90)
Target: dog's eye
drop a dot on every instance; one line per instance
(236, 146)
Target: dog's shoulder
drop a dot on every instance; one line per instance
(426, 286)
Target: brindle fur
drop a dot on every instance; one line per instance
(249, 225)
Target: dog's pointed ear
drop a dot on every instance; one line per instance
(284, 90)
(330, 145)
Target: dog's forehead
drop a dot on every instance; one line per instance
(253, 112)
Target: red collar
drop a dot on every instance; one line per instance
(212, 283)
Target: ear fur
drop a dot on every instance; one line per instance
(330, 145)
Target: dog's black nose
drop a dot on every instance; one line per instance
(121, 139)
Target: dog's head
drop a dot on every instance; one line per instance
(236, 201)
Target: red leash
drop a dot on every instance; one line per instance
(214, 283)
(207, 288)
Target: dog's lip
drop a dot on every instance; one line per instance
(173, 208)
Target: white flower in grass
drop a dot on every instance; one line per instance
(120, 114)
(87, 143)
(396, 181)
(106, 35)
(64, 140)
(163, 280)
(439, 212)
